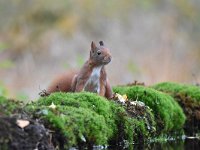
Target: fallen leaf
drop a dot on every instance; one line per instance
(125, 97)
(53, 106)
(121, 99)
(22, 123)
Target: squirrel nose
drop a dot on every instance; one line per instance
(108, 58)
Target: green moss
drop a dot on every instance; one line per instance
(177, 88)
(140, 131)
(8, 106)
(188, 96)
(80, 117)
(168, 114)
(82, 100)
(79, 125)
(87, 119)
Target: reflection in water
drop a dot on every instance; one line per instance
(187, 144)
(192, 144)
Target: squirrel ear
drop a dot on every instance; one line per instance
(93, 46)
(101, 43)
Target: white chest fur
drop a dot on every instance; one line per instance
(93, 83)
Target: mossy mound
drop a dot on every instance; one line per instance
(86, 119)
(12, 136)
(191, 91)
(78, 118)
(9, 106)
(188, 96)
(168, 114)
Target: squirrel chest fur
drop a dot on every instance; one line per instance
(92, 76)
(93, 83)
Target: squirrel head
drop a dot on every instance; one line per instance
(99, 55)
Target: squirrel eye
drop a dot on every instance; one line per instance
(99, 52)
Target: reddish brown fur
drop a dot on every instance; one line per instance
(62, 83)
(72, 82)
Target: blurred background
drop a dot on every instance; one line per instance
(150, 40)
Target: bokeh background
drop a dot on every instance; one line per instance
(150, 40)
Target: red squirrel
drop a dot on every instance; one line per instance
(92, 76)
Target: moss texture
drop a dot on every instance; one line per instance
(188, 96)
(81, 118)
(9, 106)
(168, 114)
(86, 119)
(177, 88)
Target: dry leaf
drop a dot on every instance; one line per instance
(53, 106)
(122, 99)
(125, 97)
(22, 123)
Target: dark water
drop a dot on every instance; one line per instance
(187, 144)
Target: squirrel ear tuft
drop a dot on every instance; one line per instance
(101, 43)
(93, 46)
